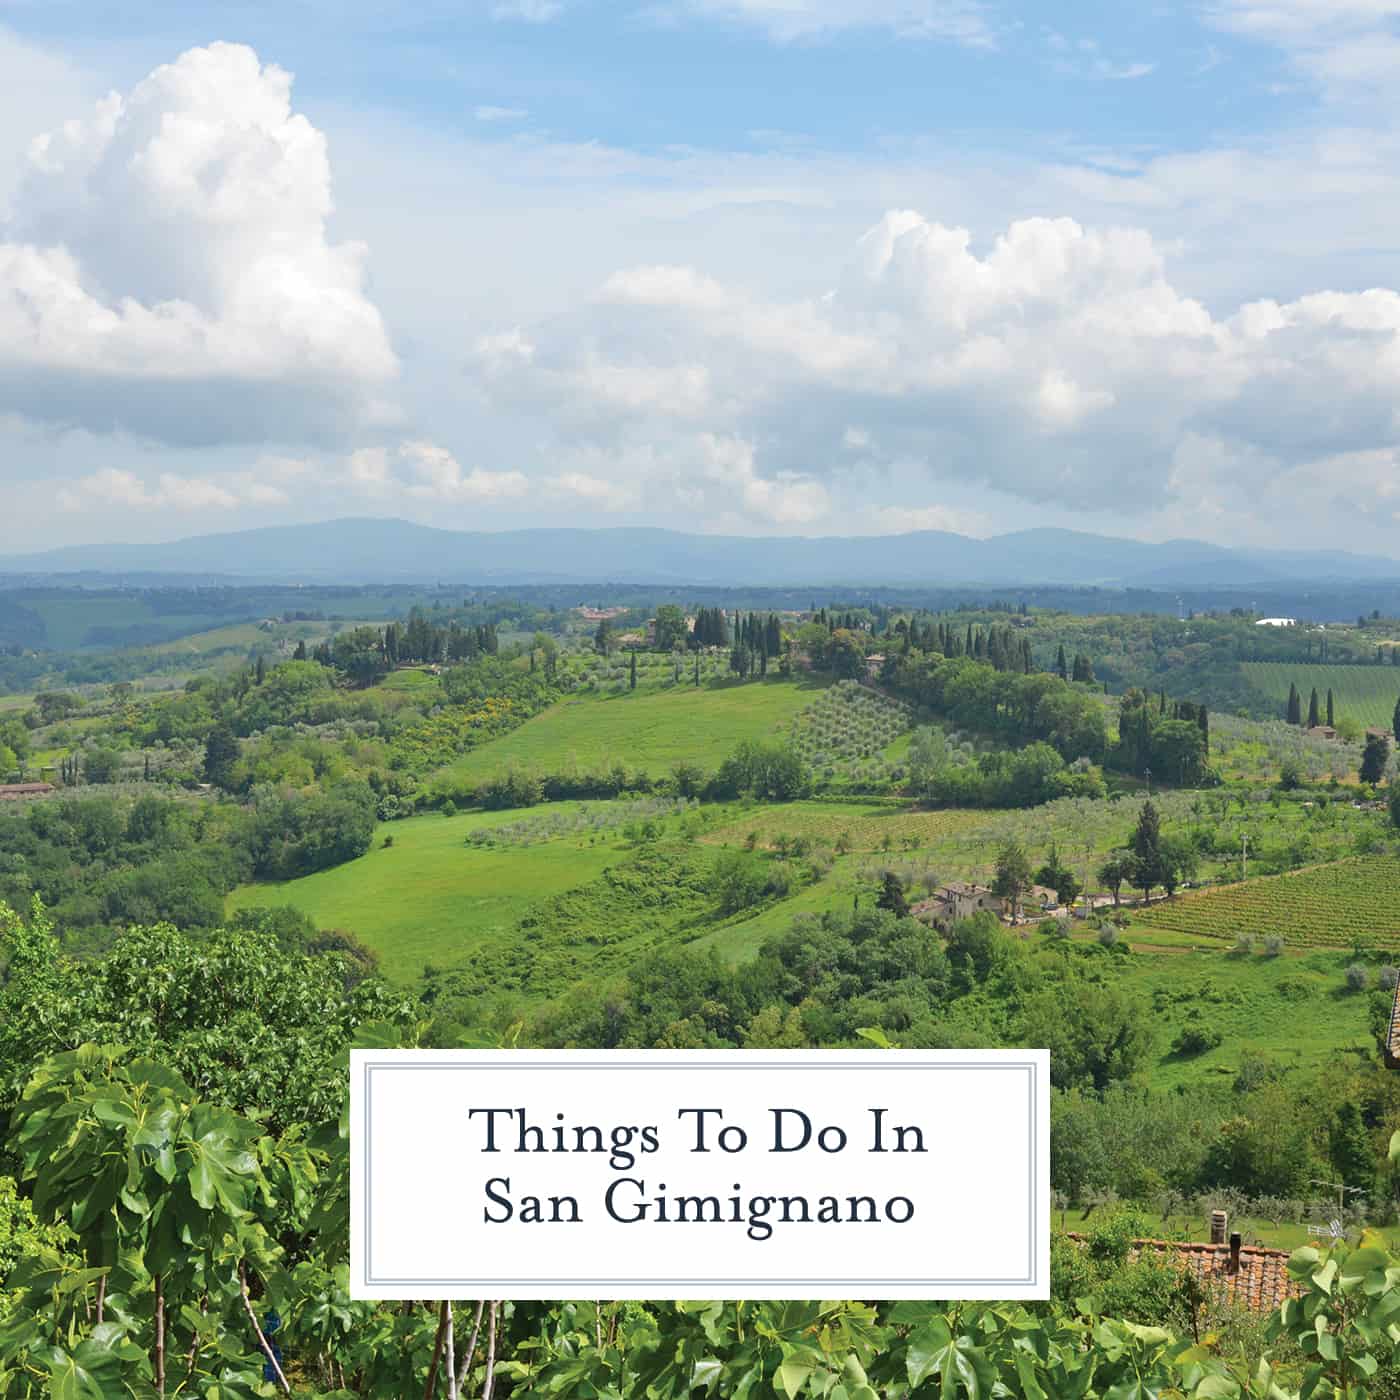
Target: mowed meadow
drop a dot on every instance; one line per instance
(431, 898)
(647, 729)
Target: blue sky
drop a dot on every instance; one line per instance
(761, 266)
(646, 77)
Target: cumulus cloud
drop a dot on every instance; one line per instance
(1060, 365)
(416, 475)
(166, 268)
(788, 498)
(433, 473)
(124, 489)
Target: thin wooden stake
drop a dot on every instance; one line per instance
(451, 1361)
(160, 1337)
(262, 1340)
(444, 1316)
(490, 1383)
(469, 1355)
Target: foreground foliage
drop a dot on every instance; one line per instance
(181, 1221)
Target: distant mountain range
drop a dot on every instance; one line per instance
(391, 551)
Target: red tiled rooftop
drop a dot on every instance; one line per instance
(14, 790)
(1258, 1280)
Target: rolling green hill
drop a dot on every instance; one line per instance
(1366, 694)
(430, 897)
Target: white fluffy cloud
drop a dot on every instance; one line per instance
(1060, 365)
(166, 268)
(125, 490)
(433, 473)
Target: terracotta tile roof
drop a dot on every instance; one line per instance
(1392, 1034)
(1258, 1280)
(14, 790)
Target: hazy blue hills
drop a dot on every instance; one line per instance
(383, 551)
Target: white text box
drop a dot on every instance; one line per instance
(699, 1174)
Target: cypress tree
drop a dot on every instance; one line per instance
(1295, 705)
(1395, 720)
(1061, 665)
(1147, 847)
(1374, 758)
(1202, 719)
(1314, 718)
(631, 672)
(1349, 1146)
(220, 754)
(892, 896)
(1331, 713)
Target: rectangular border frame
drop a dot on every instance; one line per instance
(1032, 1286)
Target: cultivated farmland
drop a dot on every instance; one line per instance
(1329, 906)
(642, 729)
(854, 826)
(1366, 694)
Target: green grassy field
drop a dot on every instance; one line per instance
(1366, 694)
(414, 680)
(643, 729)
(430, 898)
(740, 938)
(239, 634)
(1296, 1011)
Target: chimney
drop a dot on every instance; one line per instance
(1219, 1220)
(1234, 1266)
